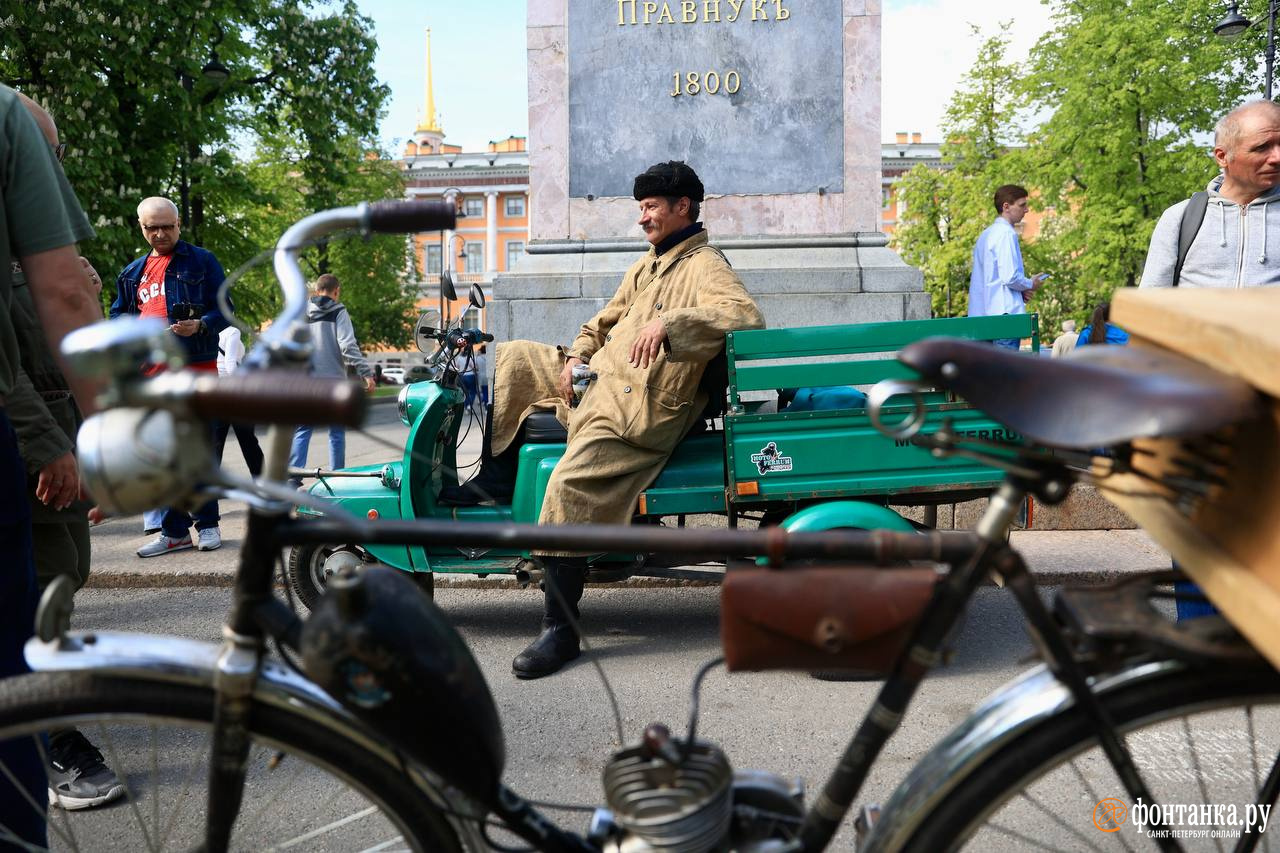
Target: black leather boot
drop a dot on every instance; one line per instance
(496, 479)
(558, 642)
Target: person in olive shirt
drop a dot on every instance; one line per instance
(46, 420)
(40, 224)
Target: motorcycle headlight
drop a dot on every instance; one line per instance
(402, 405)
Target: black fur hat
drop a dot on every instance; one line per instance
(671, 179)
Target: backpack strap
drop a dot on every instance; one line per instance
(1192, 217)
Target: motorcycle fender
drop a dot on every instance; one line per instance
(846, 514)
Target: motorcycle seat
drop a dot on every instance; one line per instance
(543, 428)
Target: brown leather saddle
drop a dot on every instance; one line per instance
(1098, 396)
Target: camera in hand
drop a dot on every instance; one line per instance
(185, 311)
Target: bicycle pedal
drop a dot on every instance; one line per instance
(865, 821)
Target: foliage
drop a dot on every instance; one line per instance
(1106, 126)
(126, 82)
(370, 270)
(1132, 91)
(946, 210)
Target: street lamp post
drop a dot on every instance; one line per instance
(215, 74)
(1234, 24)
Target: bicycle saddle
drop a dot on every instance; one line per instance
(1097, 397)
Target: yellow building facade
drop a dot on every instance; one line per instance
(490, 190)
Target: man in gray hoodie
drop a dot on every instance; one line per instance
(334, 347)
(1233, 247)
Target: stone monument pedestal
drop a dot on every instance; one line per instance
(797, 281)
(774, 103)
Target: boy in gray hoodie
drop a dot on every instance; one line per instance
(1233, 247)
(334, 346)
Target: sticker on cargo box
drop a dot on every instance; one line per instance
(769, 460)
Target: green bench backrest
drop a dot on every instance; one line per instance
(804, 344)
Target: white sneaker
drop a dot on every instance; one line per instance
(164, 545)
(209, 539)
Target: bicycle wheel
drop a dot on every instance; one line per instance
(306, 788)
(1206, 736)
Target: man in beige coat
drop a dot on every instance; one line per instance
(647, 350)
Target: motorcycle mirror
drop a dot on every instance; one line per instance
(424, 334)
(477, 296)
(446, 286)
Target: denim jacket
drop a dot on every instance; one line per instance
(194, 275)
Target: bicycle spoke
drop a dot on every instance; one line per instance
(70, 835)
(7, 836)
(1199, 772)
(1028, 841)
(130, 797)
(316, 833)
(295, 771)
(185, 794)
(387, 845)
(155, 784)
(1057, 820)
(21, 789)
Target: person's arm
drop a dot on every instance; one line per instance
(43, 445)
(351, 349)
(61, 292)
(723, 305)
(1009, 273)
(213, 320)
(1162, 253)
(595, 330)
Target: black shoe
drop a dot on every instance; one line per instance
(78, 776)
(555, 646)
(558, 642)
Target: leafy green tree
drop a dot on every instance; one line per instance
(1130, 91)
(371, 270)
(946, 210)
(134, 89)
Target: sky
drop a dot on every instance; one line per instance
(480, 82)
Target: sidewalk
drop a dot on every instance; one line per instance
(1055, 556)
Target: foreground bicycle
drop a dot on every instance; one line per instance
(223, 747)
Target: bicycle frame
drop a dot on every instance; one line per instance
(241, 677)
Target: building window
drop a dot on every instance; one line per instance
(515, 206)
(471, 318)
(886, 197)
(515, 248)
(475, 256)
(433, 260)
(473, 207)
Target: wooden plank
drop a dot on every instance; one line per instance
(1235, 331)
(1249, 601)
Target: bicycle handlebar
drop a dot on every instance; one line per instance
(410, 217)
(279, 397)
(262, 396)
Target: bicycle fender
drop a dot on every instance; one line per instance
(194, 663)
(1007, 714)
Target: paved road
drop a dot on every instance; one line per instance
(650, 642)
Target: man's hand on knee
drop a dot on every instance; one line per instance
(648, 343)
(564, 385)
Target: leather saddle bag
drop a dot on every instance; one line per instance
(820, 618)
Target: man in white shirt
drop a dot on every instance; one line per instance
(230, 354)
(998, 284)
